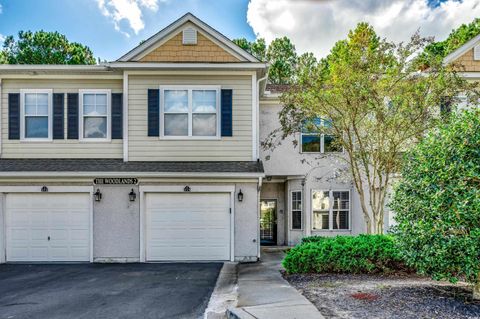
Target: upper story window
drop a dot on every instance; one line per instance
(36, 115)
(331, 210)
(190, 112)
(313, 141)
(95, 114)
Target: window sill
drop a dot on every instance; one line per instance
(93, 140)
(36, 140)
(190, 138)
(332, 230)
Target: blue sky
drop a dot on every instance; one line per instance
(113, 27)
(82, 21)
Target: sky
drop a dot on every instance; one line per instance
(113, 27)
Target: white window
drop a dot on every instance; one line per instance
(296, 209)
(36, 115)
(476, 52)
(331, 210)
(190, 112)
(313, 141)
(95, 114)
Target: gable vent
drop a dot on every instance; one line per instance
(476, 52)
(189, 36)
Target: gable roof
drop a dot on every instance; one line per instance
(151, 42)
(462, 50)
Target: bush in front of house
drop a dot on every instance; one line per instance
(344, 254)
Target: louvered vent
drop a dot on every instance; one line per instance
(189, 36)
(476, 52)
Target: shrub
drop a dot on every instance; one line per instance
(344, 254)
(437, 202)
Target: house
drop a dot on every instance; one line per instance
(157, 157)
(153, 157)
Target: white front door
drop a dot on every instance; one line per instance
(45, 227)
(187, 226)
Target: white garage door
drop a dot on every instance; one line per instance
(191, 226)
(48, 227)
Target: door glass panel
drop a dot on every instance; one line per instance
(268, 222)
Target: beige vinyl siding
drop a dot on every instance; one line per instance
(57, 148)
(148, 148)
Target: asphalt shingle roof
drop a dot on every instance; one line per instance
(118, 165)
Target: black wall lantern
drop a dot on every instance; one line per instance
(97, 195)
(240, 196)
(132, 196)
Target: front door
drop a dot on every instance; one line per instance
(268, 222)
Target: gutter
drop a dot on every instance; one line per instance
(131, 174)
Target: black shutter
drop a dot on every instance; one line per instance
(13, 116)
(226, 101)
(153, 112)
(58, 116)
(117, 116)
(72, 120)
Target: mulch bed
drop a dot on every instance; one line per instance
(386, 296)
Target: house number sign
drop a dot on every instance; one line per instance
(115, 181)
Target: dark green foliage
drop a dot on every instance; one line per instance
(44, 47)
(344, 254)
(437, 202)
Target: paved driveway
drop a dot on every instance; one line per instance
(106, 290)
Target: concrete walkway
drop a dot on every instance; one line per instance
(264, 294)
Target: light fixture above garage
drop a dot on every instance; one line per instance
(240, 196)
(132, 196)
(97, 195)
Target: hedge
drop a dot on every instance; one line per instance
(344, 254)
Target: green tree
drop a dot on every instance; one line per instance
(282, 57)
(44, 47)
(377, 105)
(257, 48)
(437, 202)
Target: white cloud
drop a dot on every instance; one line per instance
(1, 9)
(315, 25)
(130, 11)
(2, 39)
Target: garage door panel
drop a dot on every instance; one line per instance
(62, 217)
(192, 226)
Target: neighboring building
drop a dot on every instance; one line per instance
(153, 157)
(157, 157)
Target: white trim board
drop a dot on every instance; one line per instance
(143, 190)
(462, 50)
(137, 51)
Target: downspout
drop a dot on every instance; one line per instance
(1, 110)
(260, 180)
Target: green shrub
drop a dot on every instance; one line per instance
(344, 254)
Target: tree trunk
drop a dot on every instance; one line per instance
(476, 288)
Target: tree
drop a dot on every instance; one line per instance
(437, 202)
(44, 47)
(376, 104)
(257, 48)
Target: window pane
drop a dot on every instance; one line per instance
(88, 109)
(311, 126)
(320, 220)
(330, 144)
(320, 201)
(101, 99)
(340, 220)
(204, 101)
(30, 99)
(36, 127)
(204, 125)
(176, 101)
(176, 125)
(341, 199)
(101, 109)
(95, 127)
(42, 109)
(296, 219)
(89, 99)
(30, 109)
(311, 143)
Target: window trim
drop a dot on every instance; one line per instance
(190, 113)
(49, 115)
(330, 211)
(291, 210)
(81, 93)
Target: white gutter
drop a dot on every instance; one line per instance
(130, 174)
(52, 67)
(1, 110)
(203, 66)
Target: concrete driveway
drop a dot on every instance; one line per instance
(106, 290)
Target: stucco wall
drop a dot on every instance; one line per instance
(116, 225)
(2, 228)
(247, 243)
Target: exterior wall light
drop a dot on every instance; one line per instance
(132, 196)
(97, 195)
(240, 196)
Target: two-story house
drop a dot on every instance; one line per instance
(153, 157)
(157, 157)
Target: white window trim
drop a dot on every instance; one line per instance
(81, 137)
(330, 210)
(189, 88)
(50, 115)
(291, 210)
